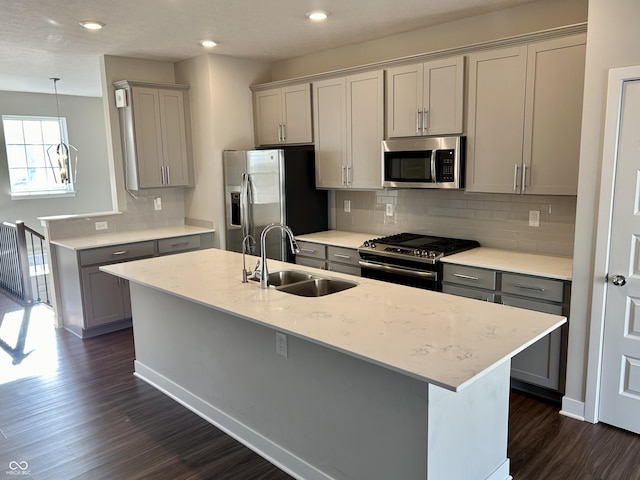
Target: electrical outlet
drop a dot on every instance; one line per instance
(281, 344)
(389, 210)
(347, 206)
(534, 218)
(102, 225)
(157, 203)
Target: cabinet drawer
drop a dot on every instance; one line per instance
(178, 244)
(313, 250)
(311, 262)
(344, 268)
(343, 255)
(485, 295)
(534, 287)
(116, 253)
(469, 276)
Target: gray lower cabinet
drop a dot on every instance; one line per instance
(95, 302)
(541, 365)
(329, 257)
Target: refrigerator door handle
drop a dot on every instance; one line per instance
(244, 198)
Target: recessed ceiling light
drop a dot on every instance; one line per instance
(208, 43)
(317, 16)
(92, 24)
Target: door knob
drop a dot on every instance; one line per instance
(618, 280)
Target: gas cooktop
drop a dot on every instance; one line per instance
(417, 247)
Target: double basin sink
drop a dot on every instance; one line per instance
(306, 284)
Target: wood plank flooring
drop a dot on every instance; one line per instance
(71, 409)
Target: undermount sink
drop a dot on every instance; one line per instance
(305, 284)
(317, 287)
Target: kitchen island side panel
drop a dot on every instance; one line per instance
(344, 417)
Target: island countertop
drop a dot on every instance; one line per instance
(441, 339)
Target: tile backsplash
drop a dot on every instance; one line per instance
(140, 215)
(494, 220)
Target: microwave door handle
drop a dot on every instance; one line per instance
(433, 167)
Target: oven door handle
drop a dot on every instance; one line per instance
(409, 272)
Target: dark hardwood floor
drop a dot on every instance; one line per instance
(71, 409)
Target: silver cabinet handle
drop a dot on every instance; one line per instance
(181, 244)
(279, 132)
(465, 277)
(162, 175)
(308, 250)
(528, 287)
(120, 252)
(418, 128)
(342, 176)
(524, 177)
(168, 175)
(339, 255)
(515, 178)
(284, 132)
(348, 176)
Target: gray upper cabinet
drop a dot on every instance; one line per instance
(348, 129)
(157, 136)
(524, 118)
(425, 98)
(282, 116)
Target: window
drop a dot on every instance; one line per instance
(31, 154)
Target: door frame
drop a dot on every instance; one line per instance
(617, 77)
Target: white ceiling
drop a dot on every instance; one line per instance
(43, 39)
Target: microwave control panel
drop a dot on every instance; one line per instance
(445, 166)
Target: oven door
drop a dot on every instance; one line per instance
(425, 277)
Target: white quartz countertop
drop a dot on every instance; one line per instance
(438, 338)
(338, 238)
(517, 262)
(117, 238)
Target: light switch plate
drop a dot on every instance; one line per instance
(157, 203)
(102, 225)
(347, 206)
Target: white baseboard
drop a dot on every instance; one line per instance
(572, 408)
(502, 472)
(274, 453)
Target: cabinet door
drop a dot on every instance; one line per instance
(174, 137)
(268, 105)
(443, 96)
(296, 114)
(329, 111)
(497, 81)
(365, 129)
(555, 79)
(148, 136)
(404, 100)
(539, 363)
(103, 297)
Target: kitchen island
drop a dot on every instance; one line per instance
(378, 381)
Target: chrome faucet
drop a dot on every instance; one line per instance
(264, 272)
(246, 274)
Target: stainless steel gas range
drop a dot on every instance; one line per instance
(409, 258)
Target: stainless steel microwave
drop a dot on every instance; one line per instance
(428, 162)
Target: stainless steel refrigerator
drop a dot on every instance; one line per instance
(272, 186)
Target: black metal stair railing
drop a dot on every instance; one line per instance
(23, 264)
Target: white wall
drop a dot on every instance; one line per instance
(85, 125)
(612, 41)
(530, 17)
(221, 114)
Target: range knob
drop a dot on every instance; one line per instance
(369, 244)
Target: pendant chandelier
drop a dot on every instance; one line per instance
(63, 154)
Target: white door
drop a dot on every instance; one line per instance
(620, 381)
